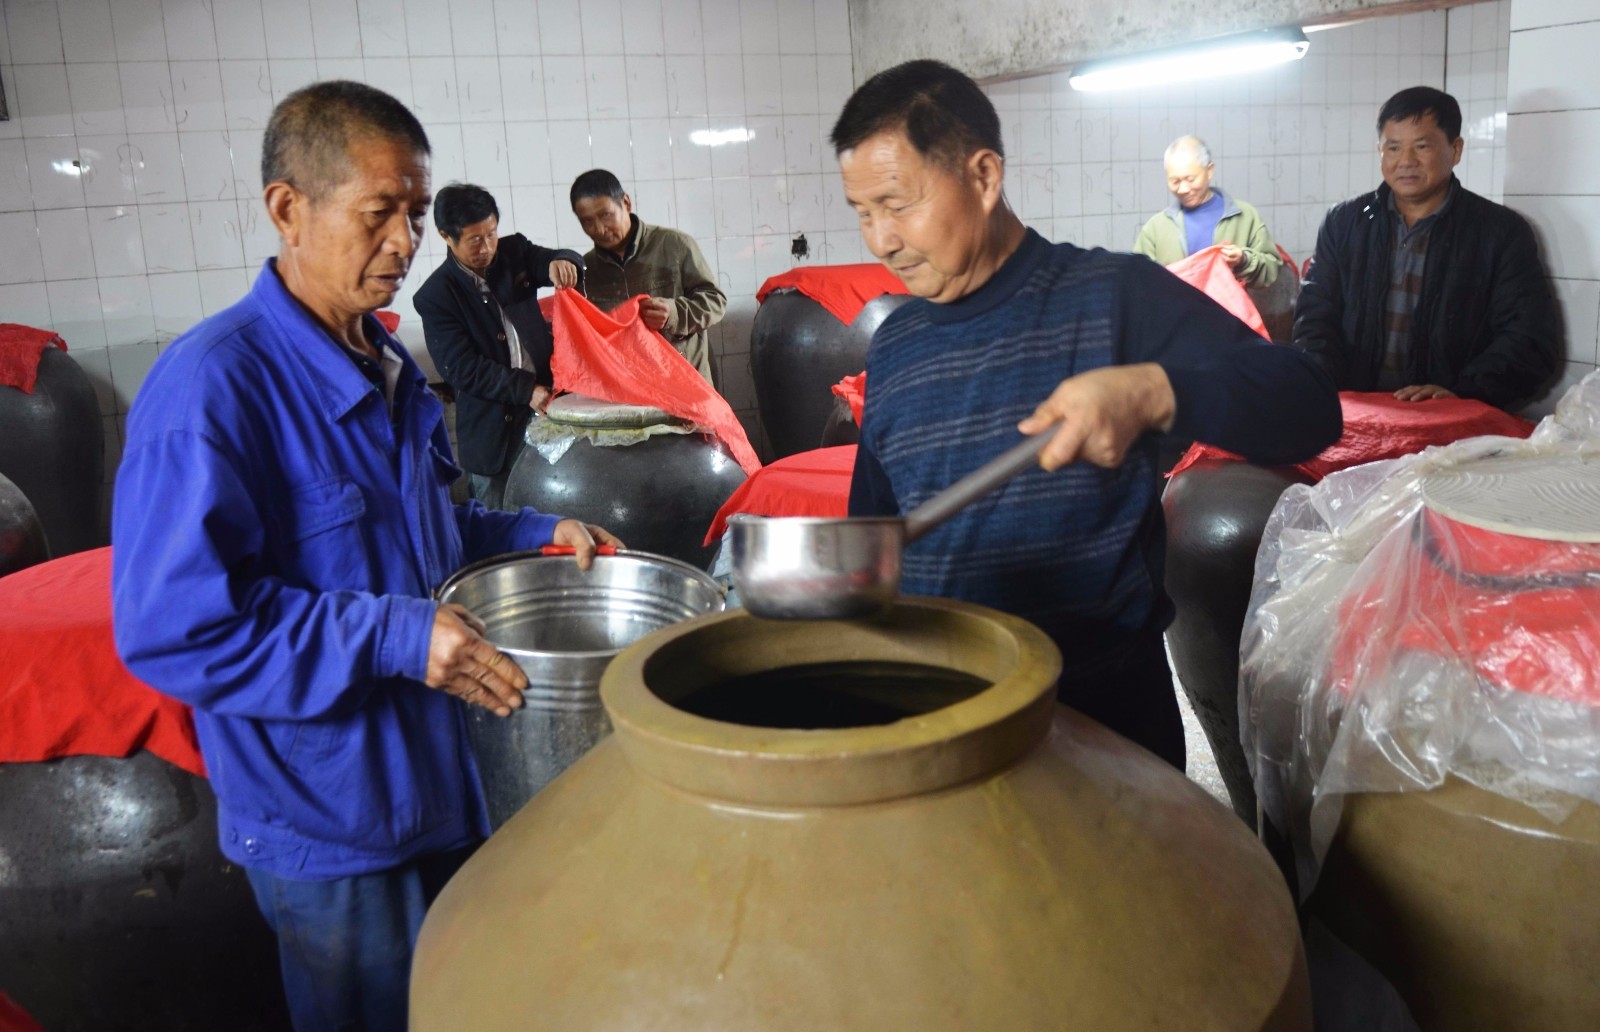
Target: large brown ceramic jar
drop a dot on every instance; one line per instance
(945, 848)
(1216, 511)
(22, 542)
(1481, 911)
(52, 446)
(658, 493)
(798, 351)
(118, 909)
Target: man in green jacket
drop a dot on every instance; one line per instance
(1202, 216)
(632, 258)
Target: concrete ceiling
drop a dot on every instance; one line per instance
(996, 39)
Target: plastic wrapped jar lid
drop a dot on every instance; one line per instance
(1552, 498)
(576, 410)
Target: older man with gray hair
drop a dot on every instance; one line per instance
(282, 518)
(1008, 332)
(1202, 215)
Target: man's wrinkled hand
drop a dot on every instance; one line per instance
(563, 274)
(1423, 392)
(1099, 414)
(654, 312)
(541, 398)
(463, 663)
(583, 539)
(1233, 254)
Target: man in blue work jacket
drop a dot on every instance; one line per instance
(282, 515)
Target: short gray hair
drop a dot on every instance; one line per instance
(308, 138)
(1188, 145)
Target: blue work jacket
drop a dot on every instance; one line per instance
(277, 532)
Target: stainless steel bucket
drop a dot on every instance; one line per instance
(562, 626)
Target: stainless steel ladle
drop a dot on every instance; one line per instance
(819, 568)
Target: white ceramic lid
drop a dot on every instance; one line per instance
(1554, 498)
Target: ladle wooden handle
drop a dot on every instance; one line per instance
(974, 485)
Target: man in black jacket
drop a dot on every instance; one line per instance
(1424, 288)
(481, 319)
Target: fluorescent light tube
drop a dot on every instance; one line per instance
(1227, 55)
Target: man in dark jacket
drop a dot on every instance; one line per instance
(631, 258)
(1424, 288)
(483, 327)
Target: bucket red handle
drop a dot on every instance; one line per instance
(569, 550)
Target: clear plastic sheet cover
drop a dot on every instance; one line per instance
(552, 440)
(1387, 647)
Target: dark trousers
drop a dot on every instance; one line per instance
(1136, 700)
(491, 489)
(345, 945)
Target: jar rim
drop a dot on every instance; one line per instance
(784, 767)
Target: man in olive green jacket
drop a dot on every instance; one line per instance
(632, 258)
(1201, 216)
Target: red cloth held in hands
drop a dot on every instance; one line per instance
(853, 389)
(1207, 271)
(615, 357)
(1378, 426)
(842, 289)
(810, 483)
(20, 349)
(63, 690)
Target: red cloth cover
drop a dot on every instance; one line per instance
(1486, 596)
(388, 320)
(20, 348)
(615, 357)
(63, 691)
(811, 483)
(842, 289)
(853, 389)
(1208, 272)
(14, 1019)
(1377, 426)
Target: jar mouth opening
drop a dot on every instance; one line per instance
(823, 712)
(830, 695)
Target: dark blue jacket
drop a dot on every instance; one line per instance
(1485, 325)
(1079, 551)
(467, 341)
(276, 537)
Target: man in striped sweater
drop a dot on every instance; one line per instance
(1012, 333)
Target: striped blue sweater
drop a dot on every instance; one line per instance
(1079, 552)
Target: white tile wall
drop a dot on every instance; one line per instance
(1477, 58)
(1292, 140)
(129, 182)
(128, 174)
(1296, 139)
(1553, 97)
(1534, 14)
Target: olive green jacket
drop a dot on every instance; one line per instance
(1163, 239)
(667, 264)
